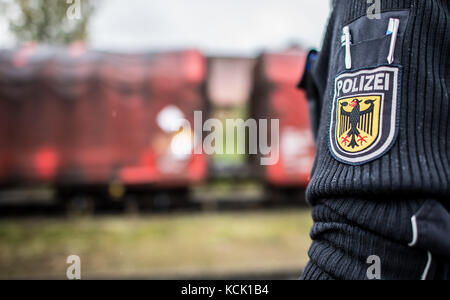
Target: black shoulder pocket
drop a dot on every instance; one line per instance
(365, 106)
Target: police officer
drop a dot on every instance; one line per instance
(379, 101)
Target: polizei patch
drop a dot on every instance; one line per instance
(364, 114)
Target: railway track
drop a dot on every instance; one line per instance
(55, 210)
(45, 202)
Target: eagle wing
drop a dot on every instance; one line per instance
(344, 124)
(366, 118)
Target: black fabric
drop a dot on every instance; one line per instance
(362, 209)
(312, 93)
(433, 228)
(347, 231)
(419, 162)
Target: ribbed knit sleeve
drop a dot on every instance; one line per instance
(418, 164)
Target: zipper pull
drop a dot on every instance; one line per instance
(346, 39)
(393, 27)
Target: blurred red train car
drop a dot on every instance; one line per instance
(82, 121)
(26, 129)
(275, 96)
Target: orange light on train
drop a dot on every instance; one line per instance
(46, 162)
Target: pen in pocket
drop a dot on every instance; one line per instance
(392, 30)
(346, 41)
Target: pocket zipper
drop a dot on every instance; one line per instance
(393, 27)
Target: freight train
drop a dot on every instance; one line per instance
(275, 96)
(104, 126)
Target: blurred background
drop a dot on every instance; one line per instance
(90, 95)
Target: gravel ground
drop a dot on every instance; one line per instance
(262, 244)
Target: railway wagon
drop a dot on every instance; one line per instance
(99, 125)
(169, 88)
(229, 86)
(275, 96)
(25, 134)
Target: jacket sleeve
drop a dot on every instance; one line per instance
(315, 76)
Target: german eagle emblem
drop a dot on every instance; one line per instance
(364, 114)
(357, 126)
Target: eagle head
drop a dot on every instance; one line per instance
(355, 102)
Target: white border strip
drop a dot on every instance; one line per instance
(427, 268)
(415, 238)
(414, 231)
